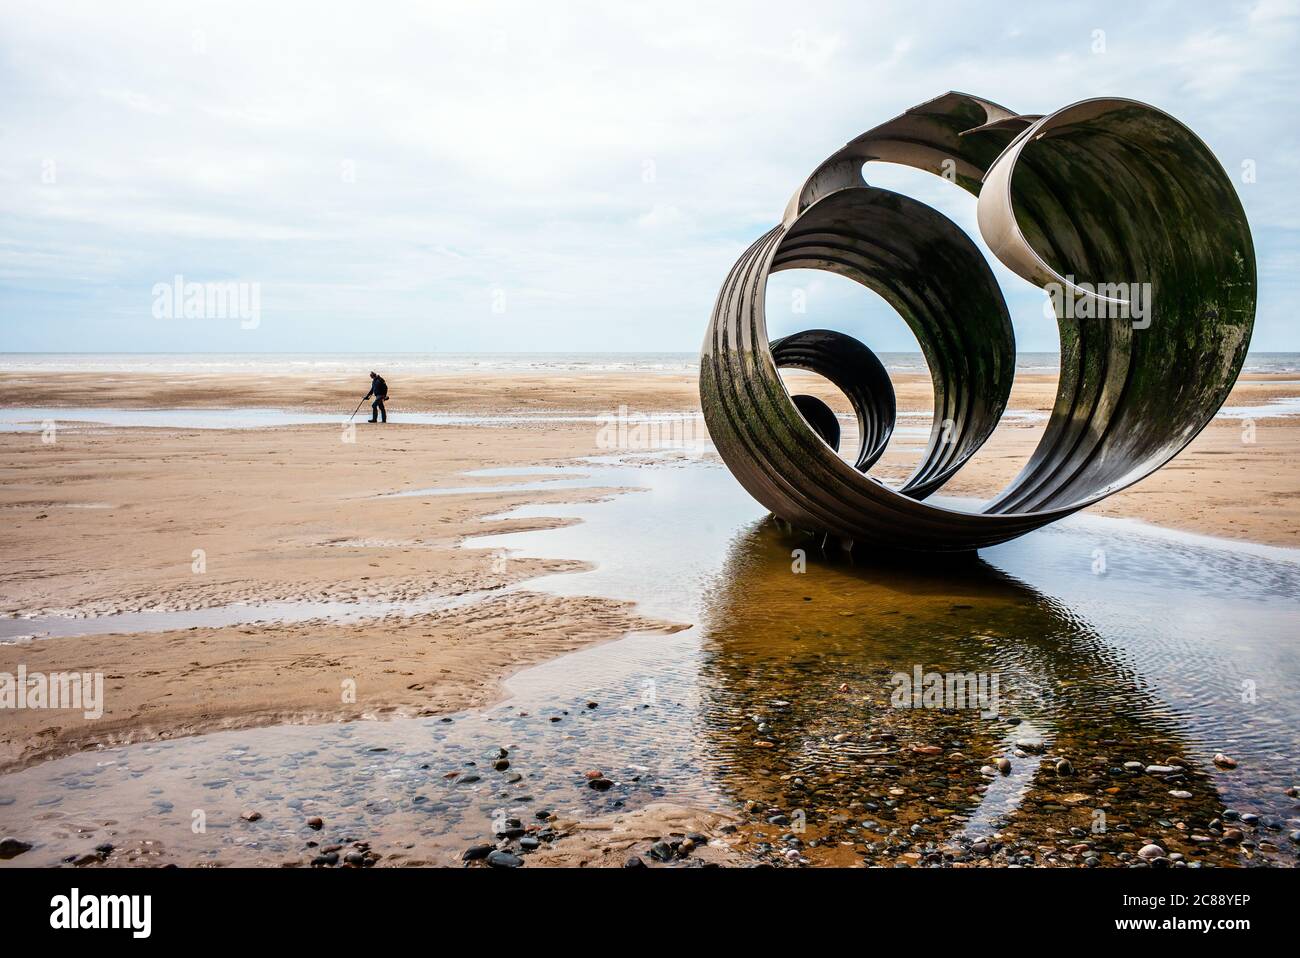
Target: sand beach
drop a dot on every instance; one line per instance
(316, 573)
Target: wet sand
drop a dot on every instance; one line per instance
(108, 520)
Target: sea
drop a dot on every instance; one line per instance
(327, 364)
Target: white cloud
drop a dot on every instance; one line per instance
(381, 169)
(662, 215)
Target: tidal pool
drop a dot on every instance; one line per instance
(1125, 658)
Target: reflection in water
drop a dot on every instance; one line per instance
(778, 702)
(797, 705)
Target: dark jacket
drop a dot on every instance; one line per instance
(378, 388)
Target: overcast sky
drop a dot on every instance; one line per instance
(540, 176)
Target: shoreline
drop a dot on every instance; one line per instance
(1200, 490)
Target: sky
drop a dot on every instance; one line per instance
(545, 177)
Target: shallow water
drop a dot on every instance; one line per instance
(19, 629)
(354, 364)
(38, 418)
(1112, 642)
(1281, 407)
(912, 425)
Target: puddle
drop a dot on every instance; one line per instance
(560, 479)
(1112, 643)
(1281, 407)
(20, 629)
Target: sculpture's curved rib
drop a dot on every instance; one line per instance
(860, 376)
(1112, 205)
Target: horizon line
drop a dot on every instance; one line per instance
(468, 352)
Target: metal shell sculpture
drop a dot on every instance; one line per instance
(1084, 201)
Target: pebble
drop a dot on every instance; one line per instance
(476, 853)
(600, 784)
(1159, 769)
(661, 851)
(633, 862)
(500, 859)
(1004, 766)
(316, 822)
(12, 847)
(1224, 761)
(1063, 767)
(251, 816)
(1179, 793)
(1151, 852)
(1231, 836)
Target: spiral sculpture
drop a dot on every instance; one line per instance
(1101, 203)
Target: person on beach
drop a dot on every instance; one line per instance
(378, 389)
